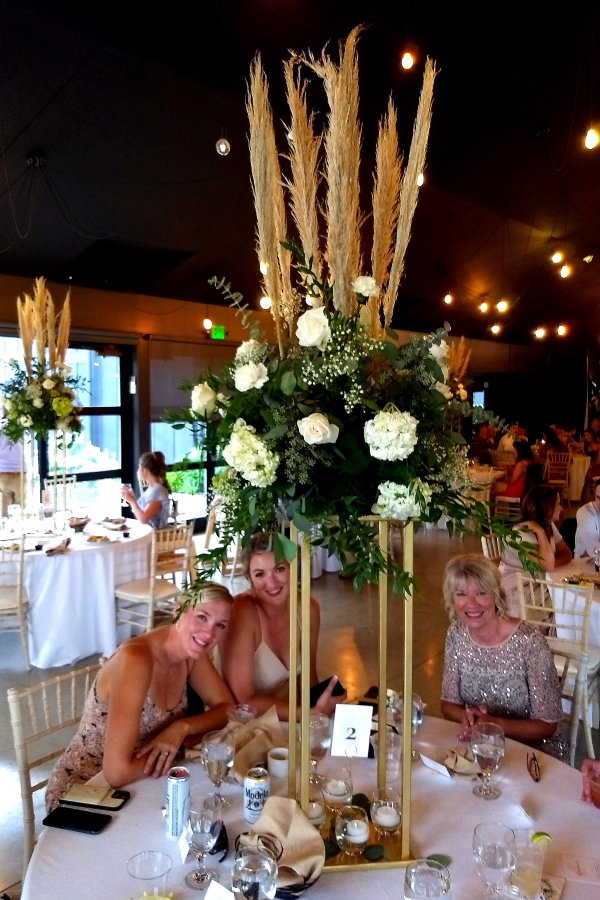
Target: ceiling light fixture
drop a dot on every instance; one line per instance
(496, 329)
(539, 333)
(502, 306)
(223, 147)
(265, 302)
(408, 60)
(561, 330)
(448, 299)
(592, 139)
(557, 257)
(207, 323)
(263, 266)
(420, 179)
(484, 307)
(565, 271)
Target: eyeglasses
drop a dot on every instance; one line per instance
(533, 766)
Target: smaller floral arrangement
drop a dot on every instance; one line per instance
(40, 396)
(40, 404)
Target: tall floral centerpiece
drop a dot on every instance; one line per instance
(336, 422)
(40, 396)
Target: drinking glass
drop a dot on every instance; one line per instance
(316, 803)
(527, 876)
(149, 871)
(242, 712)
(494, 851)
(320, 738)
(254, 874)
(217, 753)
(125, 502)
(337, 788)
(487, 744)
(352, 829)
(386, 810)
(204, 824)
(426, 878)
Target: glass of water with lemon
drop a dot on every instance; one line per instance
(531, 852)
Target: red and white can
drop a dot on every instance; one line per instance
(257, 787)
(178, 797)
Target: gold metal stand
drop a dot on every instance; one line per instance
(299, 743)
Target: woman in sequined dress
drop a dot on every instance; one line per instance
(497, 668)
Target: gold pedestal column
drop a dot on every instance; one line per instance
(299, 742)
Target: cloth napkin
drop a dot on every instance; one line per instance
(462, 762)
(252, 741)
(303, 854)
(58, 548)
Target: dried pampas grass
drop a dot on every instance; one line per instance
(39, 323)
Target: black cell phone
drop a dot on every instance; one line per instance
(77, 820)
(98, 796)
(317, 689)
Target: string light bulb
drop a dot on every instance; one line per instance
(408, 60)
(223, 147)
(561, 330)
(502, 306)
(484, 307)
(265, 303)
(263, 266)
(207, 323)
(420, 179)
(496, 329)
(539, 333)
(591, 139)
(448, 299)
(557, 257)
(565, 271)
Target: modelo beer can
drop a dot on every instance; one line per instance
(257, 787)
(178, 795)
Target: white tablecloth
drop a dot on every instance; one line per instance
(443, 817)
(578, 466)
(71, 595)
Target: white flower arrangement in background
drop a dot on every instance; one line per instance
(391, 434)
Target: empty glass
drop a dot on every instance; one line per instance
(320, 737)
(426, 878)
(149, 871)
(494, 851)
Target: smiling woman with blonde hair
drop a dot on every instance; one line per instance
(497, 668)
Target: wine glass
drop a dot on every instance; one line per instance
(495, 853)
(204, 824)
(254, 874)
(320, 738)
(418, 708)
(217, 753)
(487, 744)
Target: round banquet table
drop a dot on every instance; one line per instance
(72, 595)
(444, 813)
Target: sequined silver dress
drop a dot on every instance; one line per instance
(515, 679)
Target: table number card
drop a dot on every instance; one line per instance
(351, 730)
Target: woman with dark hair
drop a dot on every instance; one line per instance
(496, 668)
(514, 485)
(540, 510)
(153, 506)
(255, 653)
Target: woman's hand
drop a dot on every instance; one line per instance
(472, 715)
(590, 768)
(327, 702)
(161, 751)
(127, 494)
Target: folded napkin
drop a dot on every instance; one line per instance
(303, 854)
(252, 741)
(58, 548)
(462, 762)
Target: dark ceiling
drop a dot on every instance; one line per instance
(109, 117)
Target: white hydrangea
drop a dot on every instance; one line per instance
(250, 375)
(400, 501)
(249, 351)
(249, 456)
(391, 434)
(48, 384)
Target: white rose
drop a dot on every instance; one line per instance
(48, 384)
(25, 421)
(365, 286)
(444, 389)
(312, 328)
(250, 375)
(204, 400)
(317, 429)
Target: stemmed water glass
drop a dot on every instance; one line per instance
(204, 824)
(487, 744)
(320, 738)
(494, 851)
(217, 753)
(418, 708)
